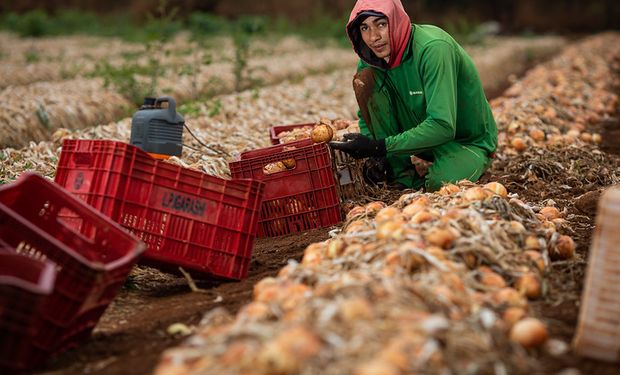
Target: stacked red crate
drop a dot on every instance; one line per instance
(205, 224)
(297, 199)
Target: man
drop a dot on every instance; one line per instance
(419, 94)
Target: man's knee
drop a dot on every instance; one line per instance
(435, 182)
(437, 177)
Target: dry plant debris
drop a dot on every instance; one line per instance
(39, 99)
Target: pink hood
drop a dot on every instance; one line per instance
(400, 30)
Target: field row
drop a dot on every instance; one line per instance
(34, 111)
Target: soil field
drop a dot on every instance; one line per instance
(133, 333)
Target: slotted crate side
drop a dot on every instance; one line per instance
(187, 218)
(24, 285)
(298, 199)
(92, 259)
(101, 172)
(597, 333)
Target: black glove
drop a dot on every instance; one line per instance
(360, 146)
(375, 171)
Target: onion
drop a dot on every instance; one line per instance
(272, 168)
(564, 248)
(440, 237)
(586, 137)
(415, 206)
(513, 314)
(452, 214)
(289, 163)
(556, 139)
(529, 285)
(335, 248)
(262, 285)
(312, 254)
(537, 134)
(393, 258)
(514, 127)
(422, 217)
(518, 144)
(388, 213)
(375, 206)
(454, 281)
(357, 226)
(285, 354)
(237, 353)
(437, 252)
(596, 138)
(517, 227)
(497, 188)
(532, 243)
(475, 193)
(390, 230)
(356, 308)
(254, 311)
(573, 133)
(322, 133)
(550, 213)
(537, 258)
(355, 211)
(287, 270)
(354, 248)
(340, 124)
(529, 333)
(470, 260)
(377, 367)
(510, 297)
(492, 279)
(397, 355)
(449, 189)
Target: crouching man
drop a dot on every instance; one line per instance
(419, 94)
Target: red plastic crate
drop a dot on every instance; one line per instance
(24, 285)
(276, 130)
(297, 199)
(93, 257)
(202, 223)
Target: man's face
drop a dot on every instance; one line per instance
(376, 34)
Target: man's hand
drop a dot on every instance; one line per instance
(360, 146)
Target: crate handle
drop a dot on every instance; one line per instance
(83, 159)
(77, 238)
(279, 166)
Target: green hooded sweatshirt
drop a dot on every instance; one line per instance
(427, 101)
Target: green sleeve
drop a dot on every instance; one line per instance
(439, 75)
(363, 127)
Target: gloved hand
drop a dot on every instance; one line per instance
(375, 171)
(360, 146)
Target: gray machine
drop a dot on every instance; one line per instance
(158, 130)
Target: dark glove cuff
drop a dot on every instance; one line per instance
(381, 148)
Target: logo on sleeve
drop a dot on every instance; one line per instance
(412, 93)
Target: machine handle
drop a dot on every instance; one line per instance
(172, 106)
